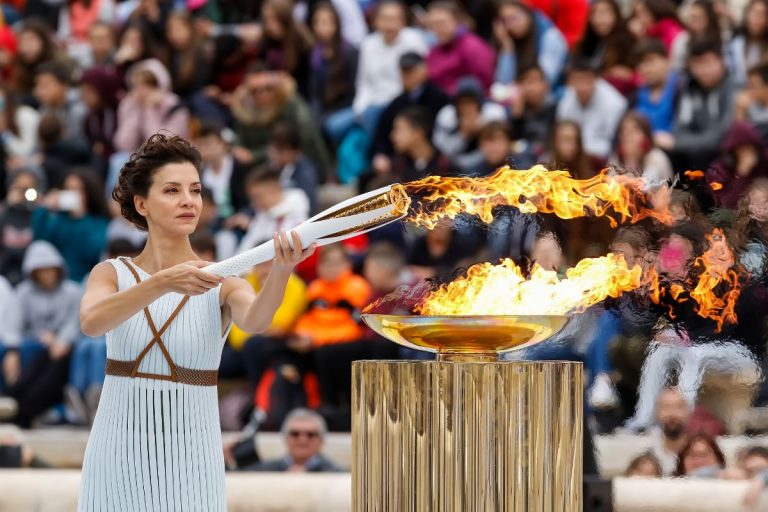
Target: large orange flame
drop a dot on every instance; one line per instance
(533, 190)
(503, 289)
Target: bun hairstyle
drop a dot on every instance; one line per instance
(136, 175)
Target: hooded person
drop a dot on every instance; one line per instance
(37, 332)
(149, 106)
(265, 99)
(742, 160)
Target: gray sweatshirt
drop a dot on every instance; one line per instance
(33, 310)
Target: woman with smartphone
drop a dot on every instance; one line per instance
(156, 439)
(74, 219)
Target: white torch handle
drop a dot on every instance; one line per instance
(322, 232)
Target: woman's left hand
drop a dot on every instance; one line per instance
(287, 257)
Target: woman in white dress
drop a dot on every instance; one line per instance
(156, 439)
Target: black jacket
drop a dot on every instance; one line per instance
(429, 96)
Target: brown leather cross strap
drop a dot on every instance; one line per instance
(178, 373)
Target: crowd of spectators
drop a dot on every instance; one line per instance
(295, 105)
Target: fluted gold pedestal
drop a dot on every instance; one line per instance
(433, 436)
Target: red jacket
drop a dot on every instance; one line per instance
(570, 16)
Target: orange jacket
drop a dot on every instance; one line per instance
(331, 317)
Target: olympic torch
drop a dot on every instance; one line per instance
(349, 218)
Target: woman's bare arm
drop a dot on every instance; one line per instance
(253, 312)
(103, 307)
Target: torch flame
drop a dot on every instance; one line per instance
(716, 186)
(694, 175)
(481, 291)
(534, 190)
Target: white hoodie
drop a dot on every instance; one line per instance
(286, 215)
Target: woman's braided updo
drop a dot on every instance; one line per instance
(136, 175)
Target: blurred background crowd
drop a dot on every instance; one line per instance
(296, 105)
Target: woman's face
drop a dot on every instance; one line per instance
(272, 26)
(567, 143)
(443, 24)
(261, 87)
(89, 96)
(30, 46)
(756, 19)
(132, 38)
(675, 256)
(699, 456)
(758, 204)
(643, 16)
(173, 203)
(516, 20)
(324, 25)
(390, 20)
(678, 213)
(74, 183)
(646, 469)
(602, 18)
(697, 20)
(631, 138)
(719, 256)
(178, 32)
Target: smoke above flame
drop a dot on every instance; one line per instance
(619, 198)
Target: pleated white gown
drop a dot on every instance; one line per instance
(155, 444)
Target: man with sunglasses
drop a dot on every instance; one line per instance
(304, 432)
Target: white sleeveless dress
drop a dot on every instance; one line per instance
(156, 444)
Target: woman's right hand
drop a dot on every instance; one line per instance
(187, 278)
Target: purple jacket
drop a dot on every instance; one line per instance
(727, 186)
(466, 55)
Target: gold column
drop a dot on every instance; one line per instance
(447, 436)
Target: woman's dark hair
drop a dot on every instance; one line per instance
(662, 9)
(186, 63)
(94, 191)
(136, 175)
(337, 84)
(25, 71)
(526, 48)
(147, 41)
(710, 442)
(743, 29)
(712, 32)
(614, 49)
(297, 38)
(9, 108)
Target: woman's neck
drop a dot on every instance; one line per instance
(161, 252)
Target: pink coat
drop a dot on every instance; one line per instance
(466, 55)
(137, 122)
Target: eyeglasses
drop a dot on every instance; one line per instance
(311, 434)
(260, 90)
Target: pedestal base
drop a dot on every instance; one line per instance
(434, 436)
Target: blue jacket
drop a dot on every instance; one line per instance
(80, 241)
(661, 113)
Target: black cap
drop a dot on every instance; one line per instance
(410, 60)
